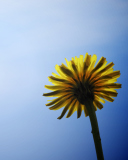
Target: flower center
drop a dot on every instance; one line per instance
(83, 92)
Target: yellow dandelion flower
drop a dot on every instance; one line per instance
(81, 81)
(83, 86)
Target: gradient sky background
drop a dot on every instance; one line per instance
(35, 35)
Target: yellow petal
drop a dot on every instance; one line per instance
(93, 61)
(106, 97)
(55, 80)
(71, 109)
(114, 74)
(79, 110)
(106, 67)
(56, 93)
(114, 85)
(65, 109)
(99, 99)
(108, 85)
(100, 63)
(87, 62)
(55, 87)
(55, 75)
(75, 70)
(98, 104)
(60, 104)
(68, 64)
(54, 101)
(57, 67)
(66, 71)
(85, 110)
(81, 62)
(106, 91)
(109, 93)
(52, 79)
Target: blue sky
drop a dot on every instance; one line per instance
(34, 37)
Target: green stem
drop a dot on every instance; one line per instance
(95, 129)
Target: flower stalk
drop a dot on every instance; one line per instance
(95, 129)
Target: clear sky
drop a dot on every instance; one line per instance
(35, 35)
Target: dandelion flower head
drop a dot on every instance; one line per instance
(81, 80)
